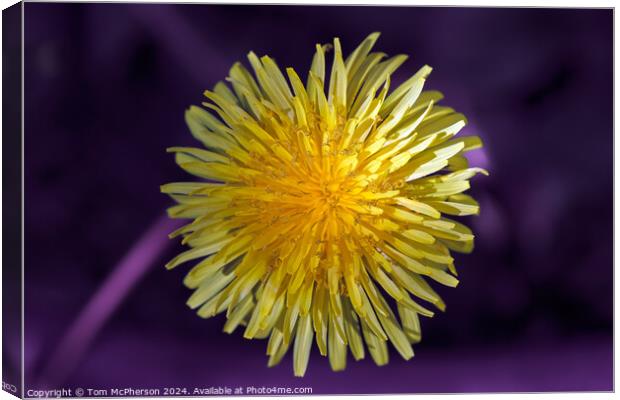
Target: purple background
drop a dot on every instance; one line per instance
(106, 88)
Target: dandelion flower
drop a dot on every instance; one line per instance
(321, 210)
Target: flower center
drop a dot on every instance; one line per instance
(331, 193)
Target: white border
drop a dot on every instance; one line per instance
(480, 3)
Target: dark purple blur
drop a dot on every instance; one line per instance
(106, 86)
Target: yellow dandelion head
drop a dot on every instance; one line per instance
(319, 201)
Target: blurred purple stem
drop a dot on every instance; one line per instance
(125, 275)
(185, 46)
